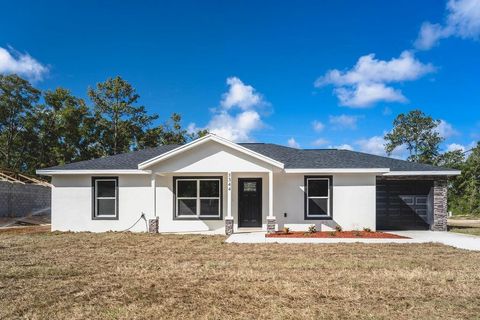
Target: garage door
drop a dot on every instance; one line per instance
(403, 205)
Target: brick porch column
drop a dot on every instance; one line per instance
(439, 205)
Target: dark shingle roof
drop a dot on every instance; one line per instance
(334, 159)
(292, 159)
(128, 160)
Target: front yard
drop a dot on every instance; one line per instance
(121, 275)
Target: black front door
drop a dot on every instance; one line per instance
(249, 202)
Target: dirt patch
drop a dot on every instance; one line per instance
(336, 234)
(144, 276)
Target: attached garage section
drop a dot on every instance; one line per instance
(404, 204)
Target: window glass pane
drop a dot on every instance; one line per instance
(250, 186)
(209, 188)
(105, 188)
(318, 206)
(209, 207)
(187, 207)
(105, 207)
(318, 188)
(186, 188)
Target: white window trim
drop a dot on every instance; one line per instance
(198, 198)
(106, 198)
(316, 197)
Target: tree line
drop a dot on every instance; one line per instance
(43, 129)
(40, 129)
(419, 133)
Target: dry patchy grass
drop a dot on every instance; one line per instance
(134, 276)
(474, 231)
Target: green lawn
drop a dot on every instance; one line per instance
(143, 276)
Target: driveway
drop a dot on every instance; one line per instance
(456, 240)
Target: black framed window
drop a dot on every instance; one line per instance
(318, 197)
(198, 197)
(105, 198)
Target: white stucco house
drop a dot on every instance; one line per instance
(214, 184)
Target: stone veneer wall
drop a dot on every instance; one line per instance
(19, 200)
(153, 225)
(228, 226)
(271, 223)
(439, 205)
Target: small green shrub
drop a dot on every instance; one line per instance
(286, 230)
(312, 229)
(338, 228)
(367, 229)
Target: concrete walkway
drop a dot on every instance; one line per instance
(456, 240)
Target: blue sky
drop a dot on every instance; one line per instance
(262, 70)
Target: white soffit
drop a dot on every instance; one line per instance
(339, 170)
(424, 173)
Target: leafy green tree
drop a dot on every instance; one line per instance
(418, 132)
(17, 99)
(169, 133)
(450, 159)
(64, 130)
(464, 194)
(120, 124)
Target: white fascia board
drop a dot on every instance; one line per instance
(209, 137)
(424, 173)
(90, 172)
(340, 170)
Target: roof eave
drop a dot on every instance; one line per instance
(51, 172)
(338, 170)
(424, 173)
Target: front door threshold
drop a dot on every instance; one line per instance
(248, 229)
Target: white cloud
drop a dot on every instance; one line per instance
(240, 95)
(318, 126)
(446, 130)
(320, 142)
(461, 147)
(235, 127)
(373, 145)
(429, 35)
(376, 145)
(462, 20)
(456, 146)
(292, 143)
(344, 121)
(12, 61)
(237, 117)
(366, 82)
(364, 95)
(344, 146)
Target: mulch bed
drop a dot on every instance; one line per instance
(335, 234)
